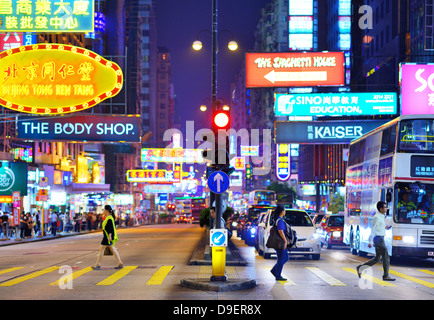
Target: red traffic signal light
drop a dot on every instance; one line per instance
(221, 119)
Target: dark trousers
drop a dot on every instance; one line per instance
(282, 258)
(53, 228)
(380, 253)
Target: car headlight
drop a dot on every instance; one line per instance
(234, 224)
(252, 230)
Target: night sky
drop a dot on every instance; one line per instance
(178, 24)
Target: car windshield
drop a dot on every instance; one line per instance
(414, 203)
(297, 218)
(336, 221)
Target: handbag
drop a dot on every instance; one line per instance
(107, 251)
(275, 241)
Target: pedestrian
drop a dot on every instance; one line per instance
(109, 239)
(23, 225)
(29, 229)
(53, 221)
(282, 255)
(378, 231)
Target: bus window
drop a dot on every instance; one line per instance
(354, 154)
(416, 136)
(414, 203)
(388, 141)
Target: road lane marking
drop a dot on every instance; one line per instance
(427, 272)
(158, 277)
(27, 277)
(10, 270)
(422, 282)
(326, 277)
(370, 278)
(116, 276)
(74, 275)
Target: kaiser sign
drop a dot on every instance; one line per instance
(294, 69)
(417, 88)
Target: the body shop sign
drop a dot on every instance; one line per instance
(56, 79)
(13, 177)
(80, 128)
(417, 88)
(294, 69)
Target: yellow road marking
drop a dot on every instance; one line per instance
(422, 282)
(158, 277)
(427, 272)
(75, 275)
(326, 277)
(116, 276)
(370, 278)
(27, 277)
(10, 270)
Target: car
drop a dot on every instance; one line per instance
(330, 231)
(251, 228)
(307, 243)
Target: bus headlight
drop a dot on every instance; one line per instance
(408, 239)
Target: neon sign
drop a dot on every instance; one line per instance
(283, 161)
(56, 79)
(47, 16)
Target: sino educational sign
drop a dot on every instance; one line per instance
(47, 16)
(80, 128)
(323, 132)
(336, 104)
(56, 79)
(294, 69)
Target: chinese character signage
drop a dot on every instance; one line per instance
(323, 132)
(150, 176)
(172, 155)
(249, 151)
(422, 166)
(46, 16)
(283, 161)
(336, 104)
(294, 69)
(239, 163)
(81, 128)
(56, 79)
(417, 89)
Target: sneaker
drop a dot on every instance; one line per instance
(388, 278)
(96, 267)
(281, 278)
(119, 266)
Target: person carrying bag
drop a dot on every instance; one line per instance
(110, 237)
(280, 245)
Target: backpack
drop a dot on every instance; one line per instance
(291, 235)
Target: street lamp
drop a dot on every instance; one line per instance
(197, 44)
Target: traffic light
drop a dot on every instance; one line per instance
(221, 123)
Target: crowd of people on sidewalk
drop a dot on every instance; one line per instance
(59, 222)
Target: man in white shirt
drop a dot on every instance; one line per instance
(378, 231)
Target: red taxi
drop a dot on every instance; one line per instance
(331, 229)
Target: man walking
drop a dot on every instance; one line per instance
(377, 235)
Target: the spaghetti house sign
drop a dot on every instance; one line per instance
(56, 79)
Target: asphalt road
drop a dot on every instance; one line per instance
(156, 259)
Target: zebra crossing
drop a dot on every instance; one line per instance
(342, 277)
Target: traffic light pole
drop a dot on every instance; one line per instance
(218, 253)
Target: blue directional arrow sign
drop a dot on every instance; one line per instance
(218, 182)
(218, 238)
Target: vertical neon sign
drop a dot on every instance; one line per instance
(283, 161)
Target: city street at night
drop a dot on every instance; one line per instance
(213, 158)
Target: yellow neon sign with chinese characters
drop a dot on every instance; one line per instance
(56, 79)
(47, 16)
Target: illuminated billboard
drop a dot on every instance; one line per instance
(300, 8)
(301, 42)
(149, 176)
(417, 88)
(56, 78)
(283, 161)
(47, 16)
(80, 128)
(323, 132)
(300, 24)
(336, 104)
(172, 155)
(294, 69)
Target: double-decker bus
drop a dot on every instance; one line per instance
(286, 200)
(395, 164)
(262, 197)
(197, 205)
